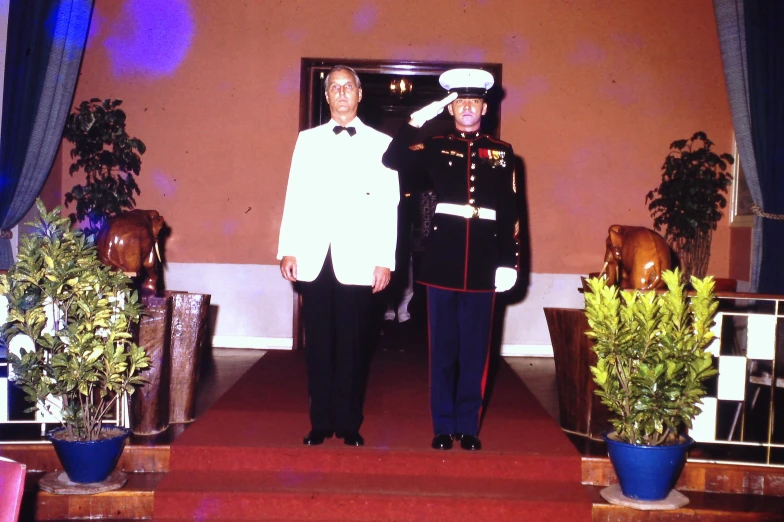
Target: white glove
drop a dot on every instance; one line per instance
(505, 278)
(428, 112)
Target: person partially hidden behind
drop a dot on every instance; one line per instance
(337, 243)
(471, 253)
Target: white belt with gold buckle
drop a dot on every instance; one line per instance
(466, 211)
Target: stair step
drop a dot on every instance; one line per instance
(349, 496)
(342, 459)
(135, 500)
(711, 477)
(135, 457)
(702, 506)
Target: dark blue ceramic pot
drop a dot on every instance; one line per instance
(647, 472)
(89, 461)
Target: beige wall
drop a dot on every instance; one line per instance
(596, 92)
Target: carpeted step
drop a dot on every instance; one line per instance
(454, 463)
(259, 424)
(244, 458)
(211, 495)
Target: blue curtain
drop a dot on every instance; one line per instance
(46, 40)
(732, 39)
(764, 24)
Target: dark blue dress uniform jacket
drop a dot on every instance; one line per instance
(465, 169)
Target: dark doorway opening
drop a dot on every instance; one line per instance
(386, 110)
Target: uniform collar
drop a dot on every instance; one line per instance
(466, 135)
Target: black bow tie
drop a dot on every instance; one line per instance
(338, 129)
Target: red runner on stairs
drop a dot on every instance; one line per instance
(244, 458)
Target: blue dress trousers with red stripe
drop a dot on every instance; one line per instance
(460, 261)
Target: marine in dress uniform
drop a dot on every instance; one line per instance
(472, 251)
(337, 243)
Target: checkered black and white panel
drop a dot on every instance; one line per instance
(744, 342)
(12, 404)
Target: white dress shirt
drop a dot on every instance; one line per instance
(340, 195)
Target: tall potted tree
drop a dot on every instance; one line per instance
(651, 368)
(687, 204)
(70, 342)
(109, 158)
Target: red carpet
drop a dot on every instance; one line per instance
(244, 459)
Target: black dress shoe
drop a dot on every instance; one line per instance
(316, 437)
(470, 442)
(351, 438)
(442, 442)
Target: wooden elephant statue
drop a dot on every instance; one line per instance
(635, 258)
(129, 242)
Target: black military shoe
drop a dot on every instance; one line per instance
(469, 442)
(351, 438)
(442, 442)
(316, 437)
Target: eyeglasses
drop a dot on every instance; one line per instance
(347, 88)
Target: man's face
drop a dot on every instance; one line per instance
(468, 113)
(343, 95)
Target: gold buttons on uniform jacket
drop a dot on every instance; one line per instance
(473, 166)
(450, 163)
(472, 189)
(472, 201)
(472, 177)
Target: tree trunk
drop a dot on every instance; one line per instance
(693, 255)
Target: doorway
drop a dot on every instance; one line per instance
(386, 110)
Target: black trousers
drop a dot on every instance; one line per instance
(336, 320)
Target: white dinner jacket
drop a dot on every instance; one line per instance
(340, 194)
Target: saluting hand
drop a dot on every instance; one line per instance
(288, 268)
(381, 276)
(428, 112)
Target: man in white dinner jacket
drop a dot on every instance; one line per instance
(337, 242)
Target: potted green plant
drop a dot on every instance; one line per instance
(109, 158)
(687, 204)
(70, 320)
(652, 363)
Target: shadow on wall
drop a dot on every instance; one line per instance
(208, 358)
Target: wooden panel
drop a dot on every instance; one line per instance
(705, 507)
(702, 476)
(134, 501)
(150, 402)
(581, 409)
(42, 458)
(189, 322)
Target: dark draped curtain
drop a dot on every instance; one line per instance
(46, 40)
(752, 54)
(764, 21)
(732, 39)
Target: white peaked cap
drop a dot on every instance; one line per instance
(467, 82)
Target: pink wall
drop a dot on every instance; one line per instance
(740, 253)
(596, 92)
